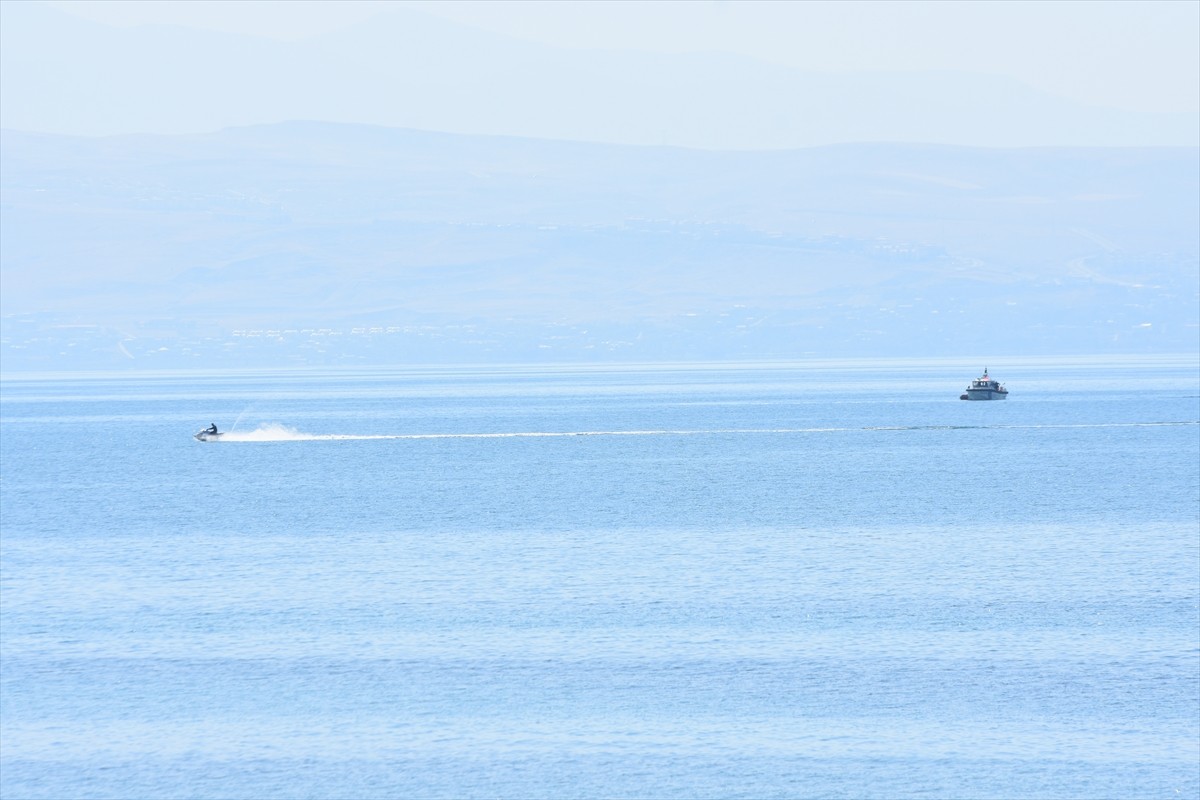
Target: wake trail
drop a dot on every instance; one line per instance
(282, 433)
(279, 433)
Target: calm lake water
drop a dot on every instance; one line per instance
(797, 580)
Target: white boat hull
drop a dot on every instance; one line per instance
(205, 436)
(984, 388)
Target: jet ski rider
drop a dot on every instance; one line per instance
(212, 430)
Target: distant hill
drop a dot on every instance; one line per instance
(301, 243)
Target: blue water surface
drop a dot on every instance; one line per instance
(820, 579)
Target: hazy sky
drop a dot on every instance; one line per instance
(1134, 56)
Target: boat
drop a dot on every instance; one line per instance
(984, 388)
(209, 434)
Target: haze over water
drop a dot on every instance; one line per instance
(726, 531)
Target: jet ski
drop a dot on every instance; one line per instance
(209, 434)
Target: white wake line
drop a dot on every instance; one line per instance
(282, 434)
(296, 436)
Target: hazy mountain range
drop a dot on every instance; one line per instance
(63, 74)
(304, 243)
